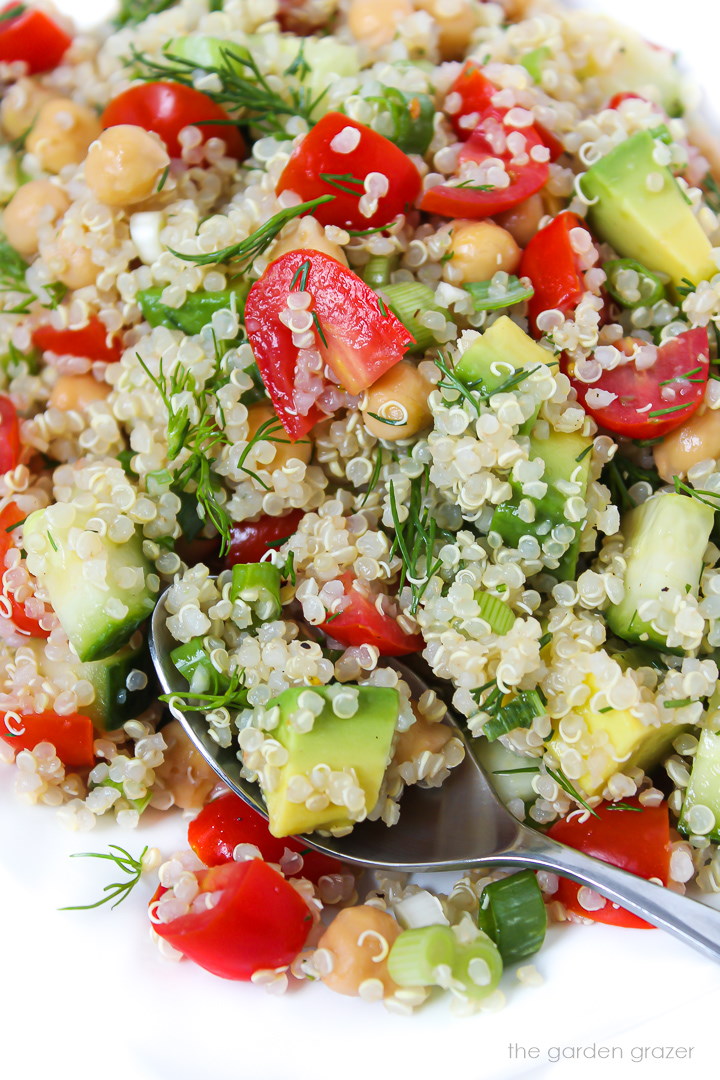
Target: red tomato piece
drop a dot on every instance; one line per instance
(33, 37)
(360, 623)
(10, 608)
(250, 540)
(260, 921)
(550, 140)
(228, 821)
(553, 268)
(655, 400)
(166, 108)
(317, 168)
(354, 336)
(91, 341)
(9, 435)
(475, 92)
(637, 840)
(72, 736)
(488, 140)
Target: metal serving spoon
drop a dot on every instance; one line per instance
(459, 826)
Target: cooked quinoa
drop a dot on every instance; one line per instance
(162, 443)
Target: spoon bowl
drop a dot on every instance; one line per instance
(459, 826)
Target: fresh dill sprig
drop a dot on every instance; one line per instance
(470, 185)
(133, 12)
(415, 538)
(374, 476)
(450, 381)
(267, 432)
(562, 781)
(712, 192)
(244, 91)
(342, 182)
(701, 494)
(120, 890)
(625, 806)
(12, 278)
(248, 250)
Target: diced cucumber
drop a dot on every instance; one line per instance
(98, 613)
(567, 461)
(510, 774)
(665, 540)
(703, 791)
(194, 664)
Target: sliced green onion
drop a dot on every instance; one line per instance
(258, 584)
(193, 662)
(534, 60)
(378, 269)
(649, 286)
(515, 292)
(478, 966)
(518, 713)
(495, 612)
(407, 300)
(416, 955)
(196, 312)
(512, 913)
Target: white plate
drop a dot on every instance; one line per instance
(86, 993)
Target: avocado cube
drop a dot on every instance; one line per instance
(501, 350)
(362, 742)
(638, 207)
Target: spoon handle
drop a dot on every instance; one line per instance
(694, 923)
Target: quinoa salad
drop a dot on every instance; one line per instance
(362, 330)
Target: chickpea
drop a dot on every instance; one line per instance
(696, 440)
(35, 204)
(421, 736)
(260, 413)
(70, 263)
(455, 23)
(374, 22)
(479, 249)
(62, 133)
(359, 939)
(523, 220)
(184, 773)
(124, 165)
(77, 392)
(306, 232)
(20, 104)
(400, 394)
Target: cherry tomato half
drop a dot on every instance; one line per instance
(553, 267)
(317, 168)
(91, 341)
(655, 400)
(72, 736)
(260, 921)
(9, 435)
(637, 840)
(356, 337)
(228, 821)
(31, 36)
(10, 608)
(250, 540)
(168, 107)
(360, 623)
(472, 92)
(527, 174)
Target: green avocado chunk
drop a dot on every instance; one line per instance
(98, 616)
(360, 744)
(637, 206)
(703, 789)
(567, 473)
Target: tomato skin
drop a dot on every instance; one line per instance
(34, 38)
(360, 623)
(260, 921)
(374, 153)
(525, 180)
(228, 821)
(90, 341)
(72, 736)
(624, 95)
(250, 540)
(10, 608)
(553, 268)
(9, 435)
(636, 389)
(166, 108)
(362, 342)
(476, 93)
(635, 840)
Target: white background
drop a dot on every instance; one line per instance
(85, 994)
